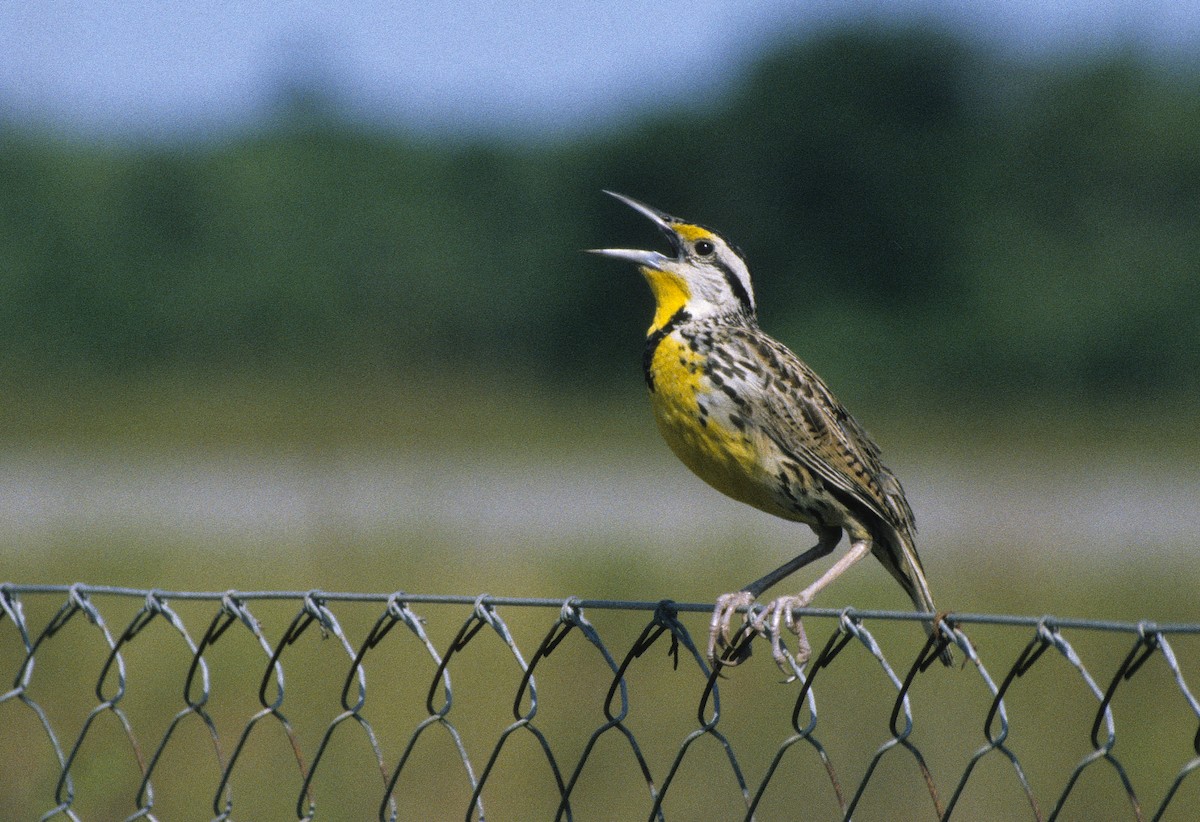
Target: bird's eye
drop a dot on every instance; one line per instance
(704, 248)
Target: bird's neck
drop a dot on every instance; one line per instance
(654, 340)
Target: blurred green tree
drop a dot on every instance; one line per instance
(915, 209)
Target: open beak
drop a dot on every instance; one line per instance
(650, 259)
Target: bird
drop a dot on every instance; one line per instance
(755, 422)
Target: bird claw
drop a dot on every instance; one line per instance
(724, 645)
(771, 620)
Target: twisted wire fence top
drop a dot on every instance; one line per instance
(133, 703)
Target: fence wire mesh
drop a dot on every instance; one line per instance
(146, 704)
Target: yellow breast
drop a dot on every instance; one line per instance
(689, 416)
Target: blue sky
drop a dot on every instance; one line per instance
(159, 68)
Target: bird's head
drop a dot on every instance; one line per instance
(706, 276)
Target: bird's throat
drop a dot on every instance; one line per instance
(670, 295)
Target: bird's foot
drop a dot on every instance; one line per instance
(771, 620)
(723, 650)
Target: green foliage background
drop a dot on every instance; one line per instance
(915, 209)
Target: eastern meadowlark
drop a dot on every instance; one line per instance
(751, 419)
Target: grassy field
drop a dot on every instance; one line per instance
(1050, 709)
(1025, 569)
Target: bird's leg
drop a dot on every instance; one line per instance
(720, 627)
(779, 614)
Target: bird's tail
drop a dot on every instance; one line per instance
(898, 554)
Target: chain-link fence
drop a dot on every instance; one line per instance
(136, 704)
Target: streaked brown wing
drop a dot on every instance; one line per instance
(806, 420)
